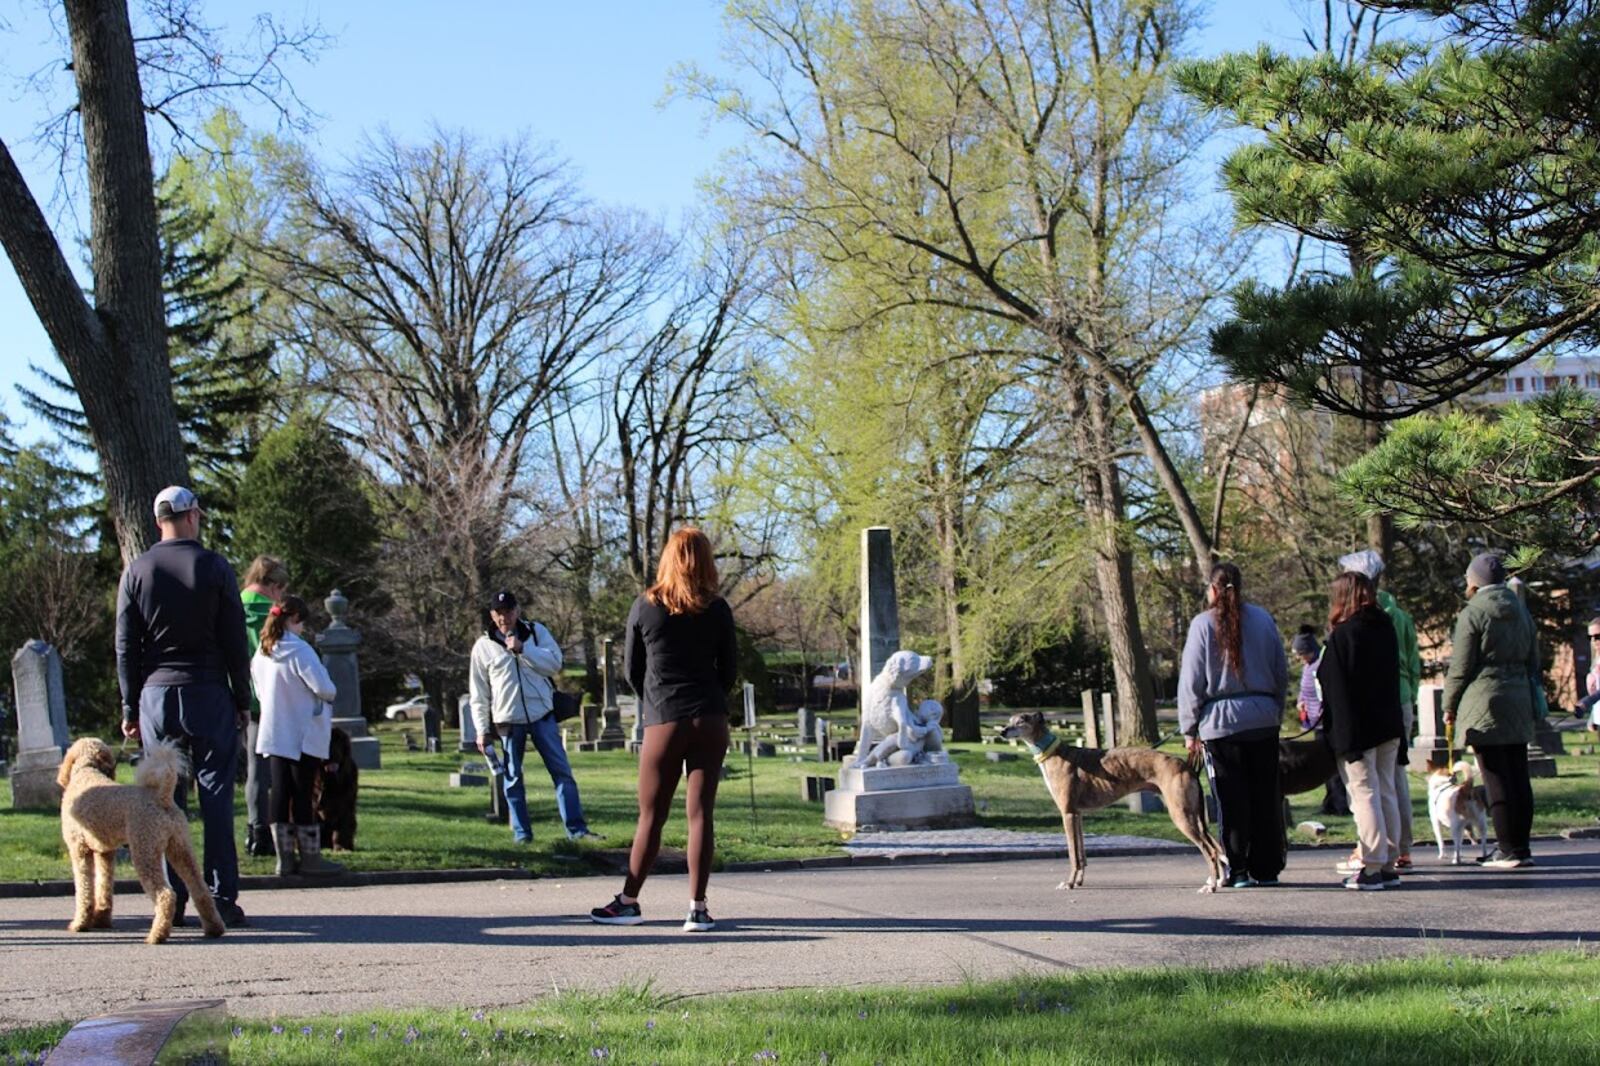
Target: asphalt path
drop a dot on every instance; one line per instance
(493, 944)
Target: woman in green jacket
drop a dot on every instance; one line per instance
(1488, 694)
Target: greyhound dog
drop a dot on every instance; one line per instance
(1086, 779)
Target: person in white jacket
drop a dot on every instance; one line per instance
(296, 725)
(511, 692)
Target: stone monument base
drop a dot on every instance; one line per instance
(1420, 754)
(1541, 765)
(33, 778)
(364, 749)
(899, 797)
(601, 745)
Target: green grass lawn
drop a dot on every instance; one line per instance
(1537, 1009)
(411, 819)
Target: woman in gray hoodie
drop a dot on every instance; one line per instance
(1230, 701)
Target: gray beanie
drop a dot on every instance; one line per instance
(1485, 570)
(1305, 642)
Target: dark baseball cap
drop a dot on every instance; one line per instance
(503, 601)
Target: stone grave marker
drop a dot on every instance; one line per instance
(338, 645)
(1091, 720)
(42, 737)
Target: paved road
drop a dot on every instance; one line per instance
(497, 943)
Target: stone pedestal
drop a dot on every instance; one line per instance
(338, 646)
(364, 748)
(899, 797)
(805, 721)
(1430, 743)
(42, 736)
(1547, 737)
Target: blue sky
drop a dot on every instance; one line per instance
(586, 76)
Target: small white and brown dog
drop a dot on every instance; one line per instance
(98, 816)
(1454, 807)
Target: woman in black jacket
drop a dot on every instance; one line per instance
(1360, 678)
(681, 659)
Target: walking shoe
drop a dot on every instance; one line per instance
(1364, 882)
(586, 834)
(1501, 861)
(1267, 882)
(1391, 878)
(1403, 863)
(618, 913)
(232, 914)
(699, 921)
(1242, 882)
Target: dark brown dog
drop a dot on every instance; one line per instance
(1086, 779)
(335, 795)
(1303, 765)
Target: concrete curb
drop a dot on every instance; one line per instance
(40, 889)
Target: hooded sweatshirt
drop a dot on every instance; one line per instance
(1214, 700)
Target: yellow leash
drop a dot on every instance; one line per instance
(1450, 747)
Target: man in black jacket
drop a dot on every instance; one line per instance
(183, 666)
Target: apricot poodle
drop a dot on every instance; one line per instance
(98, 816)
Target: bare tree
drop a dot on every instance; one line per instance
(114, 346)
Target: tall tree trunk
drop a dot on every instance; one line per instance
(1101, 484)
(115, 352)
(1380, 527)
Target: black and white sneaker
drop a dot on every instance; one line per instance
(1365, 882)
(1391, 878)
(1501, 861)
(618, 913)
(699, 921)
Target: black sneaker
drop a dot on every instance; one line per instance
(618, 913)
(1391, 878)
(1365, 882)
(232, 914)
(699, 921)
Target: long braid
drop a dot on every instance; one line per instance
(1228, 584)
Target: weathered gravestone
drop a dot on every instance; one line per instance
(338, 644)
(469, 728)
(611, 735)
(42, 736)
(918, 796)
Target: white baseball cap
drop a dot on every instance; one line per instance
(175, 500)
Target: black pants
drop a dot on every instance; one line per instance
(292, 781)
(1505, 778)
(1245, 776)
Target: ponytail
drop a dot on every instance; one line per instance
(289, 609)
(1228, 607)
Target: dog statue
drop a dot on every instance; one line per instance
(1454, 806)
(334, 795)
(98, 816)
(1086, 779)
(891, 733)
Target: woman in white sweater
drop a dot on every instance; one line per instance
(294, 690)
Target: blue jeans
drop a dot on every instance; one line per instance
(200, 720)
(546, 737)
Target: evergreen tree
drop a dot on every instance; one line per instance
(304, 498)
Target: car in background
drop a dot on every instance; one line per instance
(408, 710)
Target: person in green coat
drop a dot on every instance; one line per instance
(1488, 695)
(265, 583)
(1370, 563)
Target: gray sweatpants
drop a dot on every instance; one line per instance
(257, 782)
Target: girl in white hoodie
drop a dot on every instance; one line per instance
(294, 690)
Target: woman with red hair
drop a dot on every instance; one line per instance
(680, 657)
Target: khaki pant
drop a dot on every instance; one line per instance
(1373, 801)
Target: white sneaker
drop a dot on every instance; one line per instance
(699, 921)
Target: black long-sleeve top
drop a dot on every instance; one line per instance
(1360, 678)
(180, 622)
(680, 665)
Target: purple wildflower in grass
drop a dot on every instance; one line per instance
(861, 1014)
(277, 1030)
(765, 1055)
(305, 1030)
(238, 1031)
(600, 1053)
(499, 1034)
(477, 1015)
(650, 1023)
